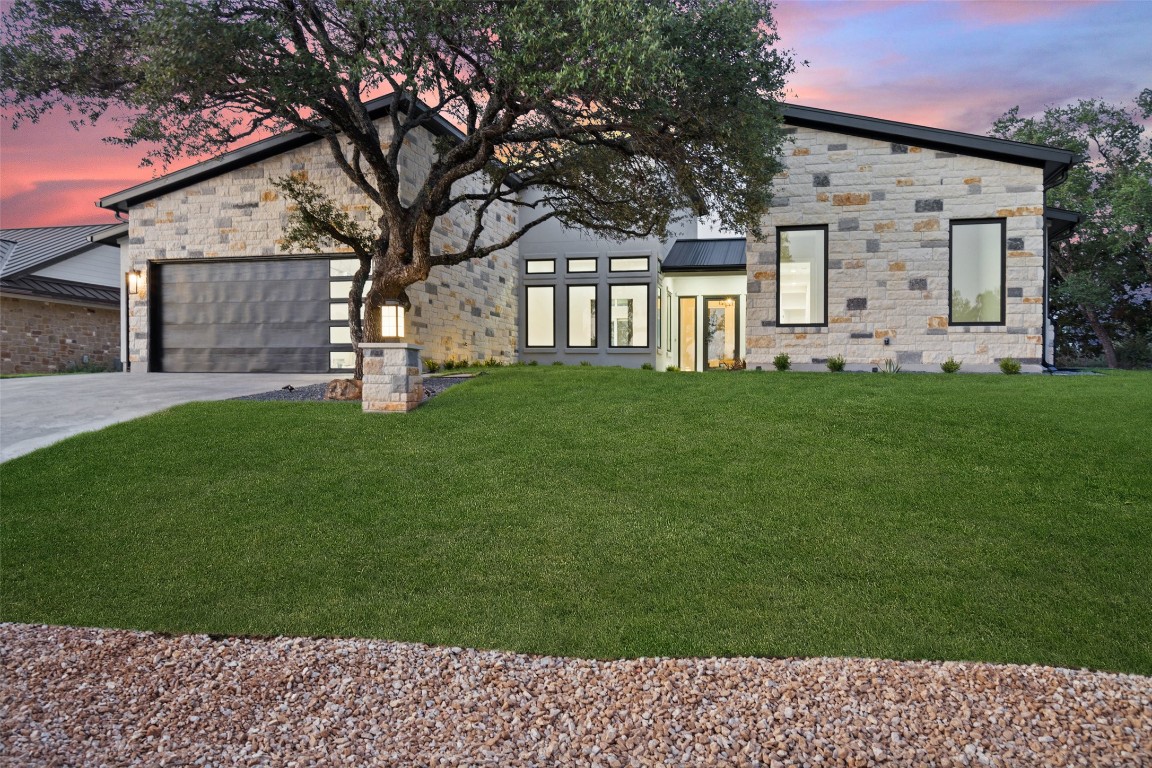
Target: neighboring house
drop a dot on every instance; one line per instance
(59, 300)
(886, 241)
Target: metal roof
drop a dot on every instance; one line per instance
(110, 235)
(238, 158)
(48, 288)
(37, 247)
(1055, 162)
(725, 255)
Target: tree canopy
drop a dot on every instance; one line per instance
(621, 114)
(1102, 292)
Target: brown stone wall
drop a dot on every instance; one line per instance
(47, 336)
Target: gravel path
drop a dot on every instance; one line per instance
(112, 697)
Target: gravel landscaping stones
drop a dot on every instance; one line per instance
(73, 696)
(432, 387)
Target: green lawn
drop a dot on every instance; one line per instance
(609, 512)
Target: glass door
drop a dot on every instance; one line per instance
(687, 333)
(721, 332)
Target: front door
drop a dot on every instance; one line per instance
(721, 332)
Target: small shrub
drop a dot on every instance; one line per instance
(493, 363)
(673, 369)
(647, 367)
(739, 364)
(431, 365)
(782, 362)
(1009, 366)
(891, 366)
(836, 364)
(557, 362)
(951, 365)
(585, 363)
(533, 362)
(448, 364)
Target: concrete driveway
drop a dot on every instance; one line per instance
(39, 411)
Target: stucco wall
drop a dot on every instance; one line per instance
(47, 336)
(465, 312)
(888, 208)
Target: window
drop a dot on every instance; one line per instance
(687, 360)
(668, 320)
(721, 332)
(340, 361)
(628, 264)
(802, 275)
(343, 267)
(540, 267)
(628, 315)
(659, 319)
(581, 265)
(581, 315)
(976, 272)
(541, 315)
(340, 334)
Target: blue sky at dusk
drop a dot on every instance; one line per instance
(955, 65)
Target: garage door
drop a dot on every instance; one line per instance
(242, 316)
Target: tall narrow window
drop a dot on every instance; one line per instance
(629, 315)
(976, 272)
(687, 360)
(659, 319)
(802, 275)
(541, 315)
(581, 315)
(721, 332)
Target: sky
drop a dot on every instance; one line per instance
(955, 64)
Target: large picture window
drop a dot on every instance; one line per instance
(582, 316)
(629, 315)
(541, 315)
(802, 275)
(976, 272)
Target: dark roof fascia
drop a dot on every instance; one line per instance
(1061, 222)
(1055, 162)
(110, 236)
(253, 153)
(704, 268)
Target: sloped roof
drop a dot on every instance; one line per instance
(36, 247)
(725, 255)
(50, 288)
(1054, 161)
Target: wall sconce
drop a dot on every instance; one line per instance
(392, 321)
(136, 283)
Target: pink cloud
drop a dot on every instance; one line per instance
(990, 12)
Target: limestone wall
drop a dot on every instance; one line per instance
(467, 311)
(888, 208)
(39, 336)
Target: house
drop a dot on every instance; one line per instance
(59, 300)
(886, 241)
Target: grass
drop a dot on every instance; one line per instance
(610, 512)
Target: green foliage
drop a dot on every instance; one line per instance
(493, 363)
(782, 362)
(585, 364)
(647, 367)
(1135, 352)
(890, 366)
(430, 365)
(673, 369)
(836, 363)
(533, 362)
(524, 514)
(1102, 275)
(558, 362)
(1009, 366)
(951, 365)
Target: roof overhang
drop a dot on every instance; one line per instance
(110, 236)
(1055, 162)
(1061, 222)
(720, 255)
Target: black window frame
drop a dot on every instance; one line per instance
(802, 228)
(1003, 222)
(647, 286)
(620, 257)
(528, 316)
(568, 265)
(595, 315)
(531, 260)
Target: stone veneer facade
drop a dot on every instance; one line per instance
(887, 208)
(463, 312)
(38, 336)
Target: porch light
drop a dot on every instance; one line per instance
(392, 321)
(135, 282)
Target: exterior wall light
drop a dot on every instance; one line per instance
(136, 283)
(392, 321)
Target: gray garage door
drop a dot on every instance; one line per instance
(241, 316)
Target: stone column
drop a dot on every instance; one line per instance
(392, 380)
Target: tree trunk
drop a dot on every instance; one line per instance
(1101, 336)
